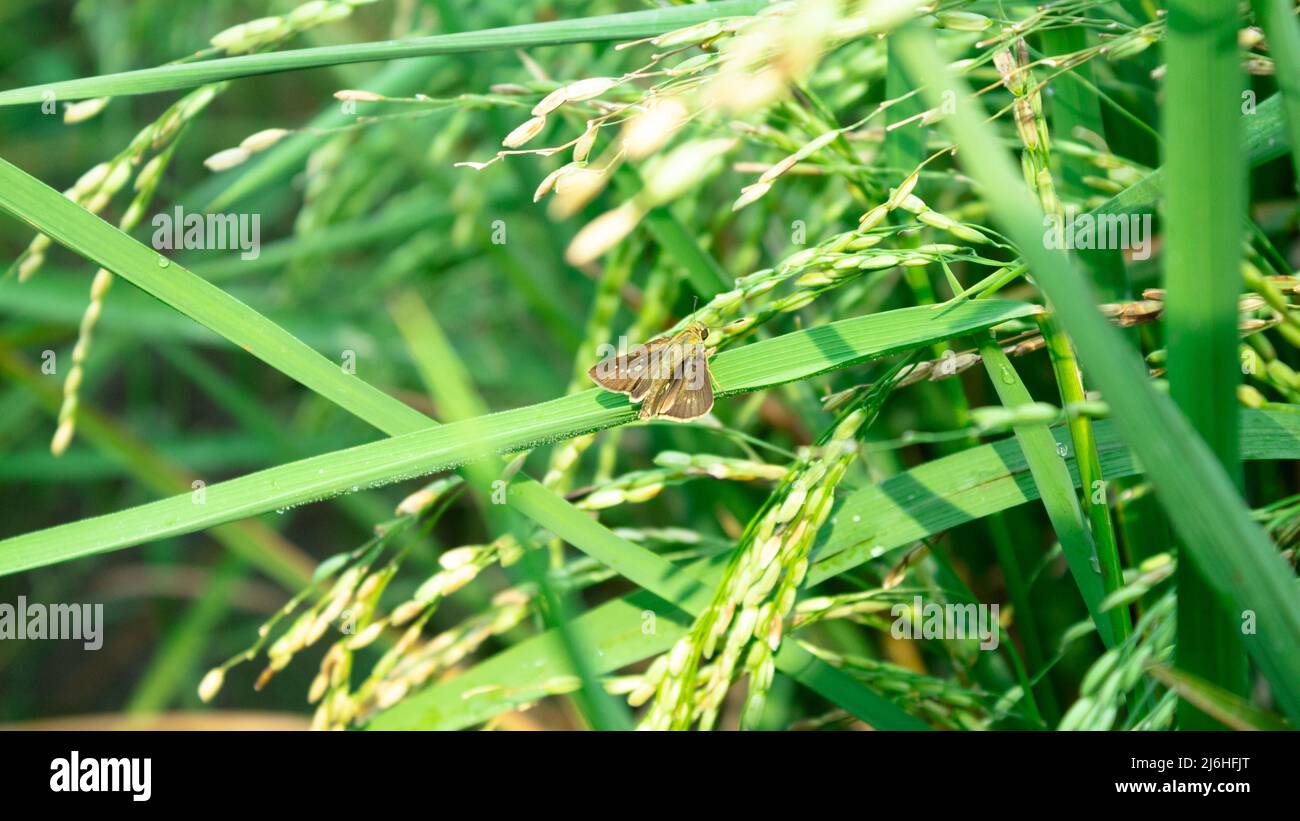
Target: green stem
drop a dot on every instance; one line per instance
(1091, 479)
(1203, 210)
(1055, 486)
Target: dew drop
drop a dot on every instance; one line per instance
(163, 261)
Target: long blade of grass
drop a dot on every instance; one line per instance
(1204, 204)
(1201, 499)
(1277, 18)
(951, 491)
(1054, 488)
(787, 358)
(628, 26)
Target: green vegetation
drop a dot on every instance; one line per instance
(1007, 407)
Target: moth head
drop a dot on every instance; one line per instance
(699, 328)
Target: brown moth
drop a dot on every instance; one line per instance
(669, 376)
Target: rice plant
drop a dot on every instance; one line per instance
(949, 364)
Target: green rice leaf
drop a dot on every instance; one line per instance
(629, 26)
(787, 358)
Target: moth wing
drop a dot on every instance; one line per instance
(691, 395)
(642, 387)
(689, 404)
(657, 397)
(622, 373)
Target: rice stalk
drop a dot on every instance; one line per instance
(745, 622)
